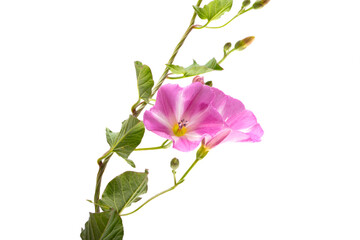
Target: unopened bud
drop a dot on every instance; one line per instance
(227, 46)
(260, 4)
(174, 164)
(245, 3)
(209, 83)
(198, 79)
(242, 44)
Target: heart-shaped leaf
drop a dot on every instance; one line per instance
(124, 190)
(103, 226)
(129, 137)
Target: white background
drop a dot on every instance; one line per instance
(66, 71)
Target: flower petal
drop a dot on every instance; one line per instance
(168, 102)
(157, 124)
(241, 120)
(254, 135)
(196, 97)
(207, 122)
(185, 145)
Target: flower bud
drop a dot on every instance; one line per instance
(199, 79)
(261, 3)
(245, 3)
(209, 83)
(174, 164)
(242, 44)
(227, 46)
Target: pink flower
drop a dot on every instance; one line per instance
(184, 115)
(240, 124)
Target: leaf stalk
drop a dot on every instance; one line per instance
(237, 15)
(176, 183)
(165, 145)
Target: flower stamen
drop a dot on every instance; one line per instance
(179, 128)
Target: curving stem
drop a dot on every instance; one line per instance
(171, 60)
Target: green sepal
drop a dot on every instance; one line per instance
(145, 80)
(103, 226)
(124, 142)
(209, 83)
(123, 190)
(214, 10)
(195, 69)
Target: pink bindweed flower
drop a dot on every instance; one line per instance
(241, 124)
(184, 115)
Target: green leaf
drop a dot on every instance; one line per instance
(124, 190)
(214, 10)
(103, 226)
(176, 69)
(129, 137)
(145, 80)
(195, 69)
(213, 65)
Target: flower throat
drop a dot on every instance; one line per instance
(179, 128)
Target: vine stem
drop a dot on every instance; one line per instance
(181, 180)
(171, 60)
(108, 154)
(102, 166)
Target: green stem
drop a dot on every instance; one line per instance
(150, 148)
(157, 195)
(171, 60)
(136, 112)
(201, 27)
(189, 169)
(102, 166)
(179, 77)
(174, 174)
(225, 56)
(133, 108)
(167, 190)
(240, 13)
(165, 145)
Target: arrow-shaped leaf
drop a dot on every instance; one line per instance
(195, 69)
(103, 226)
(145, 80)
(214, 10)
(129, 137)
(124, 190)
